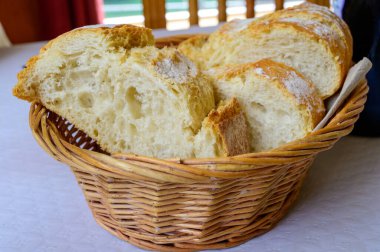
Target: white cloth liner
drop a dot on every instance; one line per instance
(355, 75)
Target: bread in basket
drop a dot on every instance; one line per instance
(186, 204)
(190, 204)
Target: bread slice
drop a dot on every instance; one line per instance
(308, 12)
(224, 132)
(337, 24)
(279, 103)
(312, 46)
(53, 57)
(126, 94)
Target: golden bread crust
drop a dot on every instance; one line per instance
(19, 90)
(307, 13)
(326, 11)
(121, 36)
(316, 24)
(230, 126)
(69, 69)
(328, 39)
(286, 78)
(312, 30)
(125, 36)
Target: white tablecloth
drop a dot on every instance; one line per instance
(42, 207)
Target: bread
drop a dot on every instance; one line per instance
(326, 15)
(52, 57)
(307, 42)
(123, 92)
(279, 103)
(192, 48)
(316, 13)
(224, 132)
(131, 97)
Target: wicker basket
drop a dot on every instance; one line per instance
(191, 204)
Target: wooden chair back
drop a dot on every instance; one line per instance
(154, 11)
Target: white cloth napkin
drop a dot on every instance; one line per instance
(355, 75)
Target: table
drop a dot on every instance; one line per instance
(43, 209)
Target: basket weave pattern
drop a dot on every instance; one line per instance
(190, 204)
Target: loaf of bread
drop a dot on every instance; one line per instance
(132, 97)
(304, 37)
(129, 96)
(224, 132)
(279, 103)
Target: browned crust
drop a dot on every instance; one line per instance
(231, 127)
(327, 12)
(325, 17)
(125, 36)
(19, 89)
(330, 43)
(329, 38)
(279, 73)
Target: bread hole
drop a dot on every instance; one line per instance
(148, 112)
(112, 92)
(58, 87)
(258, 106)
(281, 113)
(73, 64)
(119, 104)
(32, 86)
(122, 144)
(120, 124)
(174, 90)
(288, 57)
(132, 98)
(132, 129)
(85, 100)
(62, 67)
(152, 126)
(283, 116)
(96, 133)
(110, 116)
(55, 102)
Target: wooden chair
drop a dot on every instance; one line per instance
(154, 11)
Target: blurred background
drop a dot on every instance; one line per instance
(177, 11)
(36, 20)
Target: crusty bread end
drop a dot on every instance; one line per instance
(279, 103)
(118, 38)
(224, 132)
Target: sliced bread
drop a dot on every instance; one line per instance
(224, 132)
(126, 94)
(308, 13)
(279, 103)
(308, 42)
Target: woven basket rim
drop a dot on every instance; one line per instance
(340, 124)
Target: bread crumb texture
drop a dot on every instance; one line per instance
(129, 96)
(269, 77)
